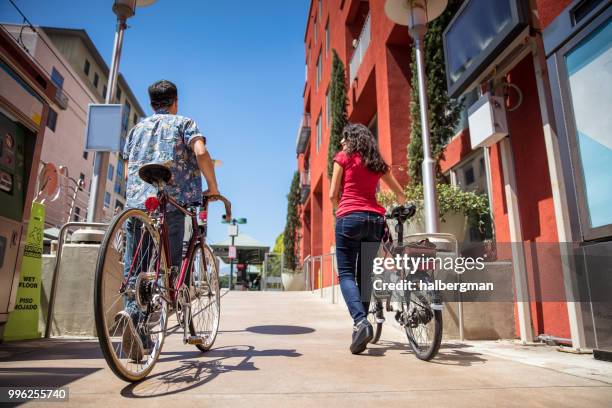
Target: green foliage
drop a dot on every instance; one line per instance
(450, 199)
(279, 245)
(293, 223)
(338, 110)
(443, 112)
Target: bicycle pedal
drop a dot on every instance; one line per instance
(437, 306)
(195, 340)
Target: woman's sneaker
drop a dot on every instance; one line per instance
(362, 334)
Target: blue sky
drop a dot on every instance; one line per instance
(239, 67)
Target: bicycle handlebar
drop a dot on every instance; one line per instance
(218, 197)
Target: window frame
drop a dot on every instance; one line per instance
(566, 129)
(87, 67)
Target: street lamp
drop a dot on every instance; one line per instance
(233, 232)
(123, 9)
(416, 14)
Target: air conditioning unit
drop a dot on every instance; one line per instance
(487, 121)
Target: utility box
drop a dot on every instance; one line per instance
(487, 121)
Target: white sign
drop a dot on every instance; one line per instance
(103, 132)
(231, 252)
(232, 230)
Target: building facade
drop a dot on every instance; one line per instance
(546, 181)
(78, 70)
(86, 61)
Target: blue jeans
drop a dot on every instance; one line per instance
(175, 222)
(352, 230)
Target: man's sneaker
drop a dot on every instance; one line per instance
(362, 334)
(130, 340)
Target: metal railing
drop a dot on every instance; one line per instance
(363, 42)
(70, 205)
(315, 277)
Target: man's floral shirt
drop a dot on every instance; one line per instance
(165, 139)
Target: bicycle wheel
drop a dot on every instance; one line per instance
(205, 297)
(422, 321)
(131, 315)
(376, 318)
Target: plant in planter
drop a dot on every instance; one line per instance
(292, 275)
(452, 202)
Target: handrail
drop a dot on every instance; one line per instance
(363, 42)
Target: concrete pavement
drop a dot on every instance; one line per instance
(291, 349)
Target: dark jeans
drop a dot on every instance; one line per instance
(352, 230)
(175, 222)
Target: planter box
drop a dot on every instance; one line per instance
(293, 281)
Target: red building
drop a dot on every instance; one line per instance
(543, 179)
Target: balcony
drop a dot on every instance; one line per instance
(303, 134)
(361, 46)
(304, 185)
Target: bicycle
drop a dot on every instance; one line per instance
(132, 274)
(419, 311)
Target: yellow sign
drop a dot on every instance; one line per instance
(23, 321)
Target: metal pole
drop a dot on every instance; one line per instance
(428, 166)
(231, 285)
(98, 180)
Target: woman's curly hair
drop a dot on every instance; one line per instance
(360, 140)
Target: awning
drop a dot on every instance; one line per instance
(248, 250)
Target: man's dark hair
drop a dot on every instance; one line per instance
(162, 94)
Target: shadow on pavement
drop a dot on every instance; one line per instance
(42, 376)
(449, 353)
(50, 349)
(193, 372)
(280, 330)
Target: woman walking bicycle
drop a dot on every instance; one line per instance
(359, 219)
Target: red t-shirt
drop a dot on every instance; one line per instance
(358, 186)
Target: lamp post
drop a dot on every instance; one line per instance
(416, 14)
(123, 9)
(233, 232)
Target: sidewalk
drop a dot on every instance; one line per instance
(291, 349)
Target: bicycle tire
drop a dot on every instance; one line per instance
(430, 351)
(107, 270)
(214, 298)
(376, 310)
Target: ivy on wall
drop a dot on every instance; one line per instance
(443, 111)
(293, 223)
(338, 110)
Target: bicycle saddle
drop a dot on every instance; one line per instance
(402, 212)
(155, 173)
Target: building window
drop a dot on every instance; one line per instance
(328, 108)
(81, 180)
(85, 155)
(107, 199)
(314, 31)
(77, 214)
(120, 166)
(52, 119)
(319, 70)
(86, 67)
(126, 116)
(57, 78)
(104, 90)
(96, 80)
(135, 118)
(117, 187)
(111, 172)
(588, 90)
(319, 133)
(118, 94)
(327, 38)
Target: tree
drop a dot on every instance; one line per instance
(443, 111)
(293, 223)
(338, 110)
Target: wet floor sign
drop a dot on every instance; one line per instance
(23, 321)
